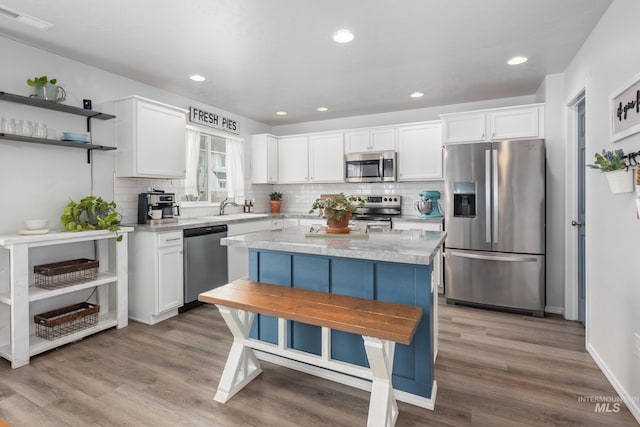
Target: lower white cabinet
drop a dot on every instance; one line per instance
(156, 282)
(420, 152)
(436, 274)
(238, 257)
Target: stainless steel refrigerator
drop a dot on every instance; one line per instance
(494, 200)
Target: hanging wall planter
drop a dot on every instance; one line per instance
(620, 181)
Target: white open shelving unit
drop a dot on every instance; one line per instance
(18, 341)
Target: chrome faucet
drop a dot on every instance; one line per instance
(225, 203)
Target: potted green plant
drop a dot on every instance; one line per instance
(338, 209)
(46, 89)
(275, 201)
(612, 164)
(91, 213)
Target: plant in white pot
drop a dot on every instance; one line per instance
(612, 164)
(47, 89)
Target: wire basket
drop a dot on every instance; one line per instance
(65, 273)
(67, 320)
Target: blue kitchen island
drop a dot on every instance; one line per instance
(391, 265)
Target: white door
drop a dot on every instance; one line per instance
(420, 152)
(160, 140)
(326, 158)
(383, 139)
(357, 141)
(293, 160)
(170, 279)
(515, 123)
(464, 128)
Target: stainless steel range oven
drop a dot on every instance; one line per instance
(378, 212)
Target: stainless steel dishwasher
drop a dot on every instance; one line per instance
(205, 262)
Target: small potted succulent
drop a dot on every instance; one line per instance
(338, 209)
(275, 201)
(612, 164)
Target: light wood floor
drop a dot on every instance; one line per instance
(493, 369)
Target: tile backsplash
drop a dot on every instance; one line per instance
(297, 198)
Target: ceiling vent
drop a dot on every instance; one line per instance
(25, 19)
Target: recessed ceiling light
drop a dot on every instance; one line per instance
(343, 36)
(322, 109)
(417, 95)
(517, 60)
(197, 78)
(26, 19)
(281, 113)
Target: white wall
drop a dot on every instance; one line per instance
(607, 60)
(37, 181)
(551, 92)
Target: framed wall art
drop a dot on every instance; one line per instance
(624, 109)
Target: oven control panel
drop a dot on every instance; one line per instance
(382, 200)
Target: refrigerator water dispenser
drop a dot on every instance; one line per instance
(464, 199)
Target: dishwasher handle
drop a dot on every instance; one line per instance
(201, 231)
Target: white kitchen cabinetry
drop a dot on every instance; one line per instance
(326, 158)
(293, 158)
(150, 137)
(238, 257)
(156, 289)
(420, 152)
(375, 139)
(264, 159)
(436, 271)
(523, 122)
(20, 300)
(436, 274)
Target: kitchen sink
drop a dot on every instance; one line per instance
(231, 217)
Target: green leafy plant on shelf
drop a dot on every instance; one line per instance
(91, 213)
(609, 161)
(336, 207)
(41, 81)
(275, 196)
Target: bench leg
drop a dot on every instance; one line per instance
(242, 365)
(383, 409)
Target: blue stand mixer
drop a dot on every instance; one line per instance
(428, 204)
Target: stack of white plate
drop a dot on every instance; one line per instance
(81, 137)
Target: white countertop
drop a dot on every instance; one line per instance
(58, 235)
(401, 246)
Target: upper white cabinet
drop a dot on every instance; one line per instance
(326, 158)
(264, 159)
(151, 139)
(375, 139)
(420, 152)
(312, 158)
(523, 122)
(293, 153)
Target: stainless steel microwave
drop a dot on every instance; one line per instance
(370, 167)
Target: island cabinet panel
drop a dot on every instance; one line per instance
(394, 282)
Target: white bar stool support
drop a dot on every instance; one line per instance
(242, 365)
(383, 408)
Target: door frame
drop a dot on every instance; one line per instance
(571, 210)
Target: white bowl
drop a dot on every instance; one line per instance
(35, 224)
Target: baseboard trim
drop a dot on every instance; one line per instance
(554, 310)
(631, 402)
(402, 396)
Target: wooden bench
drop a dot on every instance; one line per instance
(380, 323)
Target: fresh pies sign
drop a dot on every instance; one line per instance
(213, 120)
